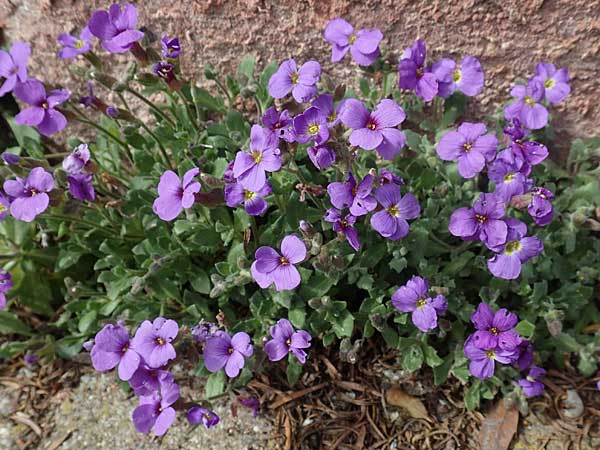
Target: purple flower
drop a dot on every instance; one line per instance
(525, 359)
(375, 130)
(116, 27)
(387, 177)
(164, 70)
(155, 411)
(525, 153)
(363, 45)
(249, 168)
(228, 176)
(30, 359)
(203, 331)
(254, 203)
(510, 257)
(482, 222)
(145, 380)
(287, 340)
(81, 186)
(470, 146)
(413, 75)
(325, 103)
(13, 66)
(43, 113)
(356, 197)
(29, 195)
(508, 179)
(540, 207)
(531, 385)
(321, 156)
(77, 160)
(467, 78)
(301, 83)
(197, 414)
(72, 46)
(111, 348)
(495, 329)
(252, 403)
(280, 124)
(311, 125)
(271, 267)
(170, 47)
(344, 226)
(414, 297)
(483, 360)
(6, 282)
(4, 206)
(555, 82)
(527, 107)
(152, 341)
(10, 158)
(221, 350)
(174, 194)
(391, 221)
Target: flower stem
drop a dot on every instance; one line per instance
(162, 148)
(152, 106)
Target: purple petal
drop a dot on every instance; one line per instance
(463, 223)
(470, 163)
(280, 83)
(367, 41)
(267, 259)
(338, 31)
(293, 249)
(384, 223)
(408, 206)
(53, 121)
(427, 86)
(388, 195)
(262, 279)
(30, 116)
(451, 146)
(425, 318)
(101, 26)
(144, 417)
(286, 277)
(128, 365)
(27, 208)
(276, 350)
(365, 138)
(388, 114)
(234, 364)
(354, 114)
(483, 316)
(505, 266)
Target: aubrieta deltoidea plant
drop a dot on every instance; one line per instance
(285, 212)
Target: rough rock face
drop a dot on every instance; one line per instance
(509, 37)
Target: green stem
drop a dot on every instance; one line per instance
(189, 111)
(162, 148)
(296, 171)
(225, 91)
(80, 221)
(152, 106)
(437, 240)
(122, 97)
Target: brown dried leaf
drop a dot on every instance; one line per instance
(397, 397)
(499, 427)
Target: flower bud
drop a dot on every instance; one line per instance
(210, 72)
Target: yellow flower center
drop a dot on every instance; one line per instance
(508, 177)
(79, 44)
(294, 77)
(288, 342)
(45, 105)
(467, 147)
(371, 126)
(512, 247)
(529, 101)
(352, 39)
(160, 341)
(249, 195)
(313, 129)
(549, 83)
(491, 354)
(479, 218)
(331, 117)
(283, 261)
(170, 50)
(456, 75)
(230, 350)
(207, 416)
(494, 331)
(33, 192)
(257, 157)
(2, 209)
(393, 211)
(421, 303)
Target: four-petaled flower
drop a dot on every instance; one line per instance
(287, 340)
(511, 256)
(29, 195)
(13, 66)
(531, 385)
(271, 267)
(414, 297)
(197, 414)
(413, 74)
(153, 341)
(174, 194)
(344, 226)
(348, 194)
(311, 125)
(249, 168)
(116, 28)
(74, 46)
(363, 45)
(555, 82)
(221, 350)
(482, 362)
(528, 108)
(155, 410)
(466, 77)
(170, 47)
(302, 83)
(495, 329)
(391, 221)
(254, 203)
(43, 113)
(112, 347)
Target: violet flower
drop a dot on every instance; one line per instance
(271, 267)
(249, 168)
(348, 194)
(43, 113)
(495, 329)
(153, 341)
(4, 206)
(540, 208)
(482, 362)
(508, 179)
(170, 47)
(156, 411)
(413, 74)
(73, 46)
(112, 347)
(221, 350)
(302, 83)
(29, 195)
(555, 82)
(251, 403)
(321, 156)
(81, 186)
(174, 194)
(197, 414)
(203, 331)
(10, 158)
(254, 203)
(518, 249)
(311, 125)
(344, 226)
(145, 380)
(526, 153)
(13, 66)
(280, 124)
(31, 359)
(467, 77)
(363, 45)
(525, 359)
(414, 297)
(6, 285)
(76, 161)
(531, 385)
(391, 221)
(483, 221)
(325, 103)
(116, 27)
(375, 130)
(527, 107)
(287, 340)
(470, 146)
(387, 177)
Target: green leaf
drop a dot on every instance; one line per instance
(69, 346)
(525, 329)
(200, 281)
(297, 316)
(294, 370)
(203, 99)
(246, 68)
(215, 385)
(344, 325)
(11, 324)
(431, 357)
(473, 395)
(440, 373)
(412, 359)
(86, 321)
